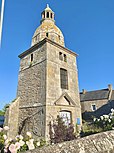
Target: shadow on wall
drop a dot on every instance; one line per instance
(104, 110)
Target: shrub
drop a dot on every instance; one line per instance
(18, 144)
(60, 132)
(106, 122)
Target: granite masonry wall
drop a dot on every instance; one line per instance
(87, 105)
(12, 114)
(98, 143)
(31, 90)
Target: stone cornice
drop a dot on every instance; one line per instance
(43, 42)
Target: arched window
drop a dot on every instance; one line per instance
(60, 56)
(43, 15)
(65, 58)
(66, 116)
(51, 15)
(47, 14)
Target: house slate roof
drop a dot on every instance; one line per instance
(112, 97)
(94, 95)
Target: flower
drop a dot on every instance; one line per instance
(109, 120)
(38, 143)
(101, 117)
(1, 129)
(94, 119)
(5, 150)
(4, 136)
(19, 137)
(106, 116)
(12, 148)
(29, 134)
(112, 110)
(6, 141)
(21, 142)
(6, 128)
(31, 140)
(30, 144)
(17, 145)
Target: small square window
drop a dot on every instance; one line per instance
(93, 107)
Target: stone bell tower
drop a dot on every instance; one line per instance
(48, 81)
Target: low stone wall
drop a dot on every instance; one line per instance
(97, 143)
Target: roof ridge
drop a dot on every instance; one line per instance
(96, 90)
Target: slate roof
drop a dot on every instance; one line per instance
(112, 97)
(94, 95)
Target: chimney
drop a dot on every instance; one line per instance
(84, 91)
(109, 87)
(110, 91)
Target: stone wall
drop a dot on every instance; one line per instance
(39, 87)
(87, 105)
(103, 107)
(98, 143)
(11, 118)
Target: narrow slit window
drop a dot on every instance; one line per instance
(31, 57)
(51, 15)
(47, 35)
(65, 58)
(60, 56)
(47, 14)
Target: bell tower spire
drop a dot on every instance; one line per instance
(47, 14)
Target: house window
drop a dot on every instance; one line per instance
(31, 57)
(60, 56)
(65, 58)
(93, 107)
(64, 78)
(66, 116)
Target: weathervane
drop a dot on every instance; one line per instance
(47, 5)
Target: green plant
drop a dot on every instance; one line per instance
(19, 143)
(60, 132)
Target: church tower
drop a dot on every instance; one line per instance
(48, 81)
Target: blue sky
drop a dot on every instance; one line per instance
(88, 28)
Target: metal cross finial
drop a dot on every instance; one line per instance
(47, 5)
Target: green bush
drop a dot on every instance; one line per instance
(60, 132)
